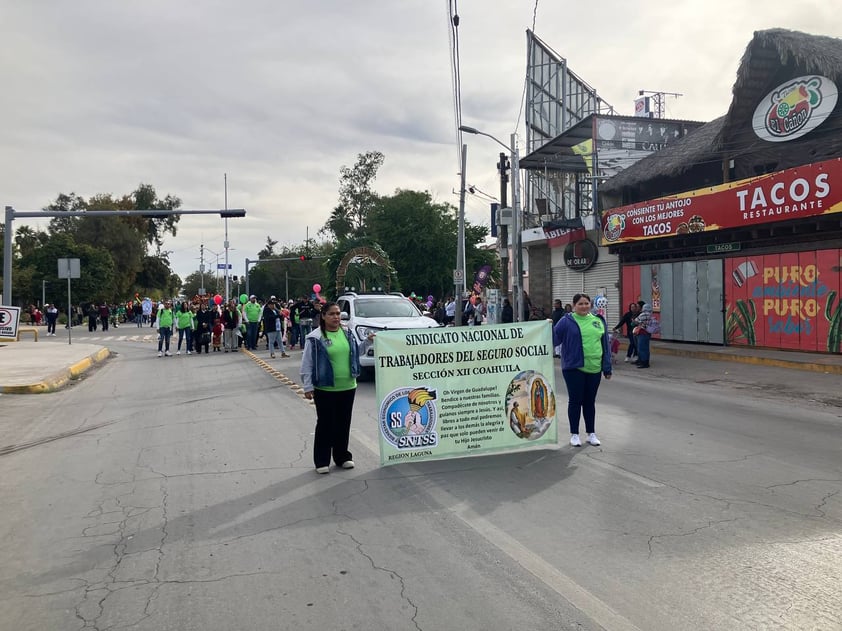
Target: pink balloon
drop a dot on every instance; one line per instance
(217, 299)
(317, 288)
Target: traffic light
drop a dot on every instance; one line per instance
(303, 257)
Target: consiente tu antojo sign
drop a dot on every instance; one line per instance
(805, 191)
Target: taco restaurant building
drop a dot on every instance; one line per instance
(734, 233)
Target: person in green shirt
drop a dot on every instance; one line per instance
(184, 323)
(582, 338)
(165, 320)
(330, 366)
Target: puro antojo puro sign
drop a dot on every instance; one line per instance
(805, 191)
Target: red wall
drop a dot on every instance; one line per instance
(789, 300)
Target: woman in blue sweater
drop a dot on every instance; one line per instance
(585, 358)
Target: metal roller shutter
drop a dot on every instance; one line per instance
(606, 273)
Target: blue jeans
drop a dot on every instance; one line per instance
(251, 335)
(581, 398)
(164, 335)
(185, 333)
(632, 350)
(304, 331)
(643, 347)
(293, 335)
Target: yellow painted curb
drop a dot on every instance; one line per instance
(60, 379)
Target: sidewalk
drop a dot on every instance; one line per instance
(29, 367)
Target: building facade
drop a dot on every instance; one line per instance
(734, 233)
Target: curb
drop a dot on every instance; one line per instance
(60, 379)
(829, 369)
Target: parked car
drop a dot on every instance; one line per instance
(371, 313)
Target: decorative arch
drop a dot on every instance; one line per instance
(368, 252)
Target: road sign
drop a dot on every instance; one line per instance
(458, 276)
(222, 265)
(69, 268)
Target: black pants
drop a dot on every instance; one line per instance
(581, 392)
(333, 426)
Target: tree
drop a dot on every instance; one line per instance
(193, 282)
(97, 281)
(419, 236)
(356, 199)
(269, 250)
(145, 198)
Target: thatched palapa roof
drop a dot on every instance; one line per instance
(760, 67)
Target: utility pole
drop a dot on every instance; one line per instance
(226, 239)
(202, 268)
(459, 282)
(503, 249)
(517, 257)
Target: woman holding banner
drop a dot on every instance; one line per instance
(585, 358)
(330, 366)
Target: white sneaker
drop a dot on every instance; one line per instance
(574, 440)
(188, 352)
(348, 464)
(160, 354)
(593, 440)
(178, 352)
(626, 359)
(168, 354)
(322, 469)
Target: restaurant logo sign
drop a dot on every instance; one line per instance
(581, 255)
(794, 108)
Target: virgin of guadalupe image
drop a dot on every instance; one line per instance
(538, 399)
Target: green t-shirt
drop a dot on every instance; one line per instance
(339, 351)
(592, 330)
(164, 317)
(184, 319)
(252, 311)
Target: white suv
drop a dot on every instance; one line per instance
(370, 313)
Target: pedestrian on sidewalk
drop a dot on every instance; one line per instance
(93, 313)
(645, 326)
(585, 357)
(628, 321)
(164, 318)
(330, 366)
(52, 318)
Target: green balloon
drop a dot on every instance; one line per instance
(243, 299)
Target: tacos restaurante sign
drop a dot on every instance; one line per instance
(805, 191)
(794, 108)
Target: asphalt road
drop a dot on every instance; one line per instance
(178, 493)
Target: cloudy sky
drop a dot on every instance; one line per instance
(99, 96)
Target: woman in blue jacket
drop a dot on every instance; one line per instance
(330, 366)
(585, 358)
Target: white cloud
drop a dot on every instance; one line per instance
(101, 96)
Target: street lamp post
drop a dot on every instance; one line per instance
(517, 244)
